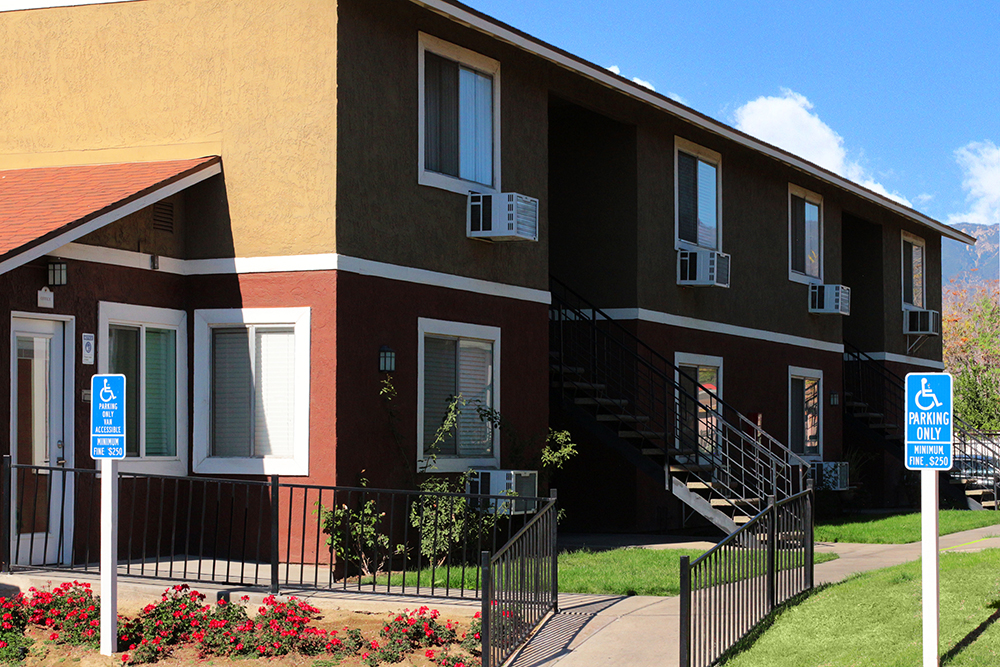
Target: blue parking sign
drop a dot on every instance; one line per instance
(929, 421)
(107, 416)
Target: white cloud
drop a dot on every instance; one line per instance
(615, 69)
(644, 84)
(924, 198)
(677, 98)
(980, 162)
(789, 123)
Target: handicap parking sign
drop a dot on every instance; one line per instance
(107, 416)
(929, 421)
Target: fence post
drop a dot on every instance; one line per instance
(808, 535)
(772, 538)
(555, 552)
(685, 615)
(274, 534)
(5, 511)
(487, 595)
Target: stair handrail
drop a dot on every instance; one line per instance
(967, 438)
(748, 432)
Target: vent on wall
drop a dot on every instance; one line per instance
(163, 216)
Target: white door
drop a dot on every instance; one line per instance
(41, 526)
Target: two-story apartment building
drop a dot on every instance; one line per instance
(260, 211)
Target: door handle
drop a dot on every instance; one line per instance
(60, 462)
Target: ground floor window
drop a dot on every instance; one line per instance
(700, 380)
(252, 390)
(805, 411)
(457, 361)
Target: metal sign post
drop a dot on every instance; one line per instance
(929, 439)
(107, 445)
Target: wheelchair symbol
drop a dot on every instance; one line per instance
(106, 394)
(925, 395)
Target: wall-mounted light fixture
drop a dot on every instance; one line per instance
(834, 398)
(386, 360)
(57, 273)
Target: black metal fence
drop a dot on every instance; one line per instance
(731, 588)
(259, 533)
(520, 586)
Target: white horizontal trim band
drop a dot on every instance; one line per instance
(903, 359)
(718, 327)
(292, 263)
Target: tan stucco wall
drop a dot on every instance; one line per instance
(251, 80)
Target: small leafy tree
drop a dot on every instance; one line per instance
(971, 335)
(355, 534)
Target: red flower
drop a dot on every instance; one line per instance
(124, 657)
(54, 636)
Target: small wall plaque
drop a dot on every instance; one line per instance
(88, 349)
(46, 299)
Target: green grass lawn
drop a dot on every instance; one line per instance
(874, 619)
(632, 571)
(898, 528)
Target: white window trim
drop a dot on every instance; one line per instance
(806, 374)
(164, 318)
(475, 61)
(204, 322)
(686, 359)
(915, 240)
(426, 327)
(812, 198)
(682, 145)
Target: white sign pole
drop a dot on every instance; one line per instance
(109, 556)
(929, 564)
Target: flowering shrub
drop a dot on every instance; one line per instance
(13, 620)
(70, 610)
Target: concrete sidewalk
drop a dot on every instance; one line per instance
(640, 630)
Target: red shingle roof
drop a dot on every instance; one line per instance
(47, 201)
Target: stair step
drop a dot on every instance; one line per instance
(559, 368)
(869, 415)
(894, 436)
(604, 402)
(698, 485)
(691, 467)
(652, 451)
(886, 426)
(647, 435)
(576, 384)
(741, 519)
(628, 419)
(855, 404)
(726, 502)
(976, 492)
(992, 504)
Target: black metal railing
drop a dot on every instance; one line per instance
(975, 453)
(259, 533)
(715, 444)
(732, 587)
(520, 586)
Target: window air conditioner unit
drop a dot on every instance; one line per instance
(702, 267)
(830, 299)
(922, 322)
(518, 484)
(507, 216)
(830, 475)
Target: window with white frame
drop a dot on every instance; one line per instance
(459, 117)
(149, 347)
(697, 196)
(699, 379)
(805, 235)
(251, 391)
(805, 412)
(914, 271)
(457, 361)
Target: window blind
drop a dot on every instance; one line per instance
(231, 392)
(441, 132)
(475, 383)
(274, 392)
(161, 393)
(687, 208)
(475, 126)
(440, 363)
(123, 358)
(798, 234)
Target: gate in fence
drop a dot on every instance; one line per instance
(731, 588)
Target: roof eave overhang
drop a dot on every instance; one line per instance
(47, 243)
(486, 24)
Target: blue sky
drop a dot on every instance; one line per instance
(902, 97)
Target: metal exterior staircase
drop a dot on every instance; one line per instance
(711, 457)
(875, 396)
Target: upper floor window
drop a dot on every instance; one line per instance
(805, 235)
(459, 117)
(698, 196)
(149, 347)
(914, 270)
(457, 359)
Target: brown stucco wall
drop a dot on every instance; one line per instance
(251, 80)
(385, 215)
